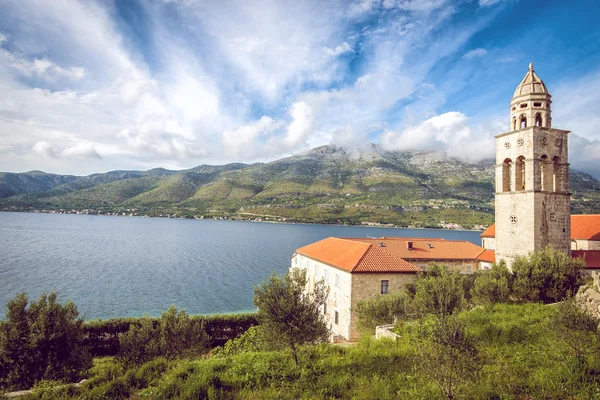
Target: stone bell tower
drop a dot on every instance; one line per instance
(533, 203)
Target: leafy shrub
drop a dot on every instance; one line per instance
(548, 276)
(254, 339)
(102, 336)
(492, 286)
(41, 340)
(383, 309)
(175, 336)
(439, 292)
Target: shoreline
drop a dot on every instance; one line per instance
(367, 225)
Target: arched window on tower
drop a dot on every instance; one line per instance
(556, 187)
(506, 169)
(520, 173)
(546, 173)
(523, 123)
(538, 119)
(514, 123)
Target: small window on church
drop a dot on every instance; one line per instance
(537, 104)
(337, 317)
(514, 108)
(385, 286)
(523, 105)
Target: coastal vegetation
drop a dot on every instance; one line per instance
(460, 336)
(328, 184)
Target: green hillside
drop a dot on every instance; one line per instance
(328, 184)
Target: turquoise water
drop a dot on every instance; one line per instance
(121, 266)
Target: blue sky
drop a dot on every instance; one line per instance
(92, 86)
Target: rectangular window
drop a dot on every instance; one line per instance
(324, 308)
(325, 274)
(336, 317)
(384, 286)
(316, 270)
(337, 280)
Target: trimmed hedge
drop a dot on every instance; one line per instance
(102, 336)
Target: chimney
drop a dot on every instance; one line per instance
(409, 244)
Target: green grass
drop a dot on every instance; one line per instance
(521, 357)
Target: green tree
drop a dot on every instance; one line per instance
(492, 286)
(548, 276)
(439, 292)
(175, 335)
(448, 355)
(383, 309)
(140, 343)
(578, 329)
(289, 312)
(180, 335)
(41, 340)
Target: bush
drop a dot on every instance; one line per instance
(439, 292)
(102, 336)
(548, 276)
(41, 340)
(175, 336)
(492, 286)
(383, 309)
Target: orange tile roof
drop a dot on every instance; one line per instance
(487, 256)
(489, 232)
(428, 249)
(592, 257)
(583, 227)
(355, 256)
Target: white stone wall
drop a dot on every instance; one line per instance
(578, 244)
(339, 283)
(488, 243)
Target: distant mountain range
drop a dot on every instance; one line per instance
(329, 184)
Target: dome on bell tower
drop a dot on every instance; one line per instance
(530, 104)
(531, 84)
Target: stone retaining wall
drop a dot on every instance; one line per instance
(386, 331)
(590, 299)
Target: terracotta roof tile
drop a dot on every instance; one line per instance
(355, 256)
(592, 257)
(428, 248)
(489, 232)
(583, 227)
(487, 256)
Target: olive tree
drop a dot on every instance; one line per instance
(288, 312)
(492, 286)
(548, 276)
(41, 340)
(448, 355)
(439, 292)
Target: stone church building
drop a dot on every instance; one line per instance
(533, 210)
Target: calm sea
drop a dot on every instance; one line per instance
(121, 266)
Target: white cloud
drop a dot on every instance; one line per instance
(488, 3)
(3, 38)
(244, 140)
(81, 150)
(450, 133)
(479, 52)
(339, 49)
(45, 149)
